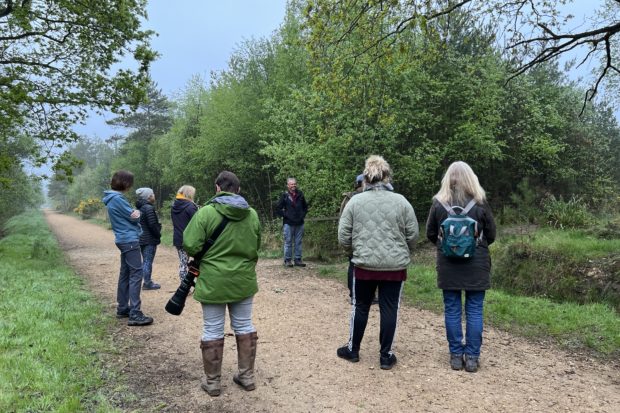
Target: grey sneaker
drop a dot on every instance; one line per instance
(300, 264)
(471, 363)
(456, 361)
(288, 263)
(139, 319)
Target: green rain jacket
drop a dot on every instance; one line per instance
(228, 269)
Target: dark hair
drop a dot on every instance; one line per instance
(228, 182)
(121, 180)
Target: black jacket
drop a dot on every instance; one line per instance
(463, 274)
(181, 213)
(292, 214)
(151, 228)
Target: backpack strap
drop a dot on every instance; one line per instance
(448, 208)
(468, 207)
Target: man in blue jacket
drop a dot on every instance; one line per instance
(293, 207)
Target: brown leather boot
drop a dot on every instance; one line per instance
(212, 352)
(246, 354)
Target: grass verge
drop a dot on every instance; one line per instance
(53, 332)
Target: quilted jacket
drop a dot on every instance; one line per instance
(380, 227)
(151, 227)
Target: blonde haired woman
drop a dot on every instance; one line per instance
(459, 186)
(182, 211)
(380, 228)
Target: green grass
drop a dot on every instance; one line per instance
(52, 330)
(574, 243)
(592, 327)
(563, 265)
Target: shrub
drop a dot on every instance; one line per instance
(566, 214)
(87, 208)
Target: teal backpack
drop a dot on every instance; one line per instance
(458, 233)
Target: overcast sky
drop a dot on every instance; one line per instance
(197, 37)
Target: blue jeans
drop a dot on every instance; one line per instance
(293, 234)
(148, 256)
(240, 314)
(129, 279)
(474, 301)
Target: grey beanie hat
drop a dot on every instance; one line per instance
(144, 193)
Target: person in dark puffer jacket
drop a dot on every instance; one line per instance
(454, 275)
(151, 235)
(182, 211)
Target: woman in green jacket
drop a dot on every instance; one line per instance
(227, 279)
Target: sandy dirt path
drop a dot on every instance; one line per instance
(301, 319)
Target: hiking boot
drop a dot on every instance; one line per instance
(344, 353)
(471, 363)
(288, 264)
(387, 362)
(456, 361)
(122, 314)
(139, 319)
(151, 286)
(299, 264)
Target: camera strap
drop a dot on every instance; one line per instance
(211, 239)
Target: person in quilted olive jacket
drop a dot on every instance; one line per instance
(380, 228)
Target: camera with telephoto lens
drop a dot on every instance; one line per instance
(177, 302)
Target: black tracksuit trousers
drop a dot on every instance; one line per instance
(389, 301)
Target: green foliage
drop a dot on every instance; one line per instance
(561, 265)
(320, 95)
(18, 192)
(573, 213)
(58, 60)
(43, 323)
(87, 208)
(524, 206)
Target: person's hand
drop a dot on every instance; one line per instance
(135, 214)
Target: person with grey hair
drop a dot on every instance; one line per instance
(380, 228)
(150, 237)
(292, 207)
(182, 210)
(460, 189)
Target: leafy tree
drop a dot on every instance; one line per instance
(56, 60)
(534, 31)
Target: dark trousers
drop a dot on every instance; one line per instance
(129, 278)
(389, 301)
(148, 256)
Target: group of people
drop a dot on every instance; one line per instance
(137, 233)
(378, 227)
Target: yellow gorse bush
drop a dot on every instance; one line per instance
(88, 207)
